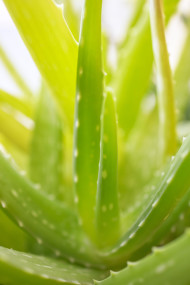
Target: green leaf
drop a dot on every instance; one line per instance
(87, 114)
(170, 190)
(46, 146)
(182, 73)
(51, 223)
(24, 268)
(134, 69)
(55, 55)
(166, 265)
(167, 118)
(18, 104)
(107, 208)
(11, 236)
(14, 130)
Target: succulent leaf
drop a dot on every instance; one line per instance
(89, 99)
(169, 263)
(46, 146)
(107, 207)
(166, 102)
(18, 104)
(173, 186)
(14, 130)
(49, 222)
(25, 268)
(136, 56)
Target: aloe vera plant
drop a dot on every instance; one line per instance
(97, 189)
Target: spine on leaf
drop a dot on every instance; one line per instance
(87, 113)
(107, 208)
(167, 114)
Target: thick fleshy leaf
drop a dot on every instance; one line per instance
(24, 268)
(18, 104)
(167, 265)
(55, 55)
(51, 223)
(170, 190)
(11, 236)
(134, 69)
(182, 73)
(166, 108)
(14, 130)
(46, 146)
(107, 208)
(87, 113)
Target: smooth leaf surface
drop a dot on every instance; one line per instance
(89, 100)
(167, 265)
(48, 221)
(24, 268)
(46, 153)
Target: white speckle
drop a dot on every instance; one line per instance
(78, 97)
(15, 194)
(172, 158)
(173, 229)
(20, 223)
(51, 226)
(45, 222)
(3, 204)
(170, 179)
(110, 206)
(160, 269)
(104, 208)
(77, 124)
(45, 276)
(57, 253)
(80, 222)
(123, 244)
(75, 178)
(47, 266)
(71, 259)
(28, 270)
(184, 154)
(39, 240)
(34, 214)
(141, 223)
(184, 138)
(61, 280)
(181, 217)
(27, 255)
(23, 172)
(104, 174)
(132, 235)
(155, 203)
(76, 199)
(153, 187)
(80, 71)
(162, 173)
(38, 186)
(76, 153)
